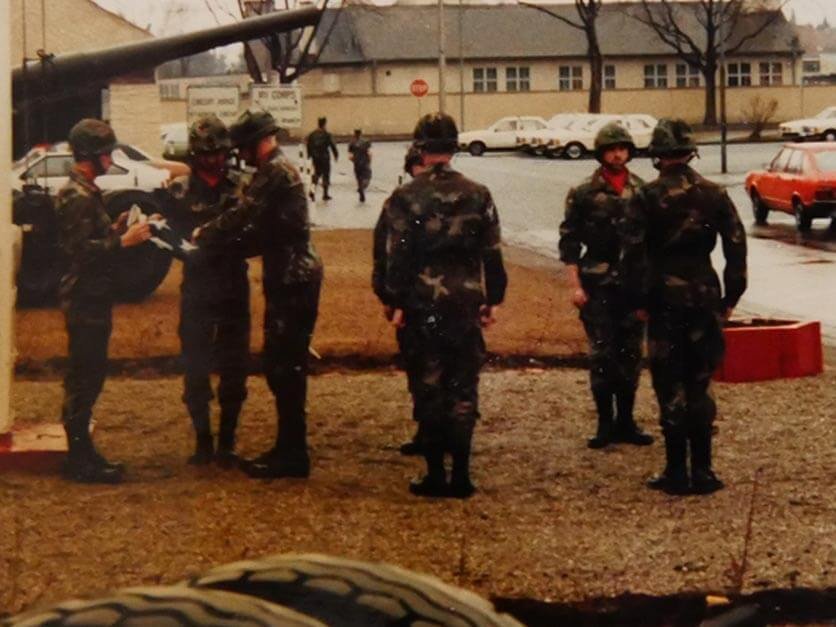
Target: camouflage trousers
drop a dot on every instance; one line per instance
(442, 366)
(685, 346)
(88, 329)
(615, 337)
(213, 342)
(289, 321)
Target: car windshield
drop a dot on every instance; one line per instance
(131, 152)
(826, 161)
(830, 112)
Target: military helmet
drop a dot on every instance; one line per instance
(613, 134)
(412, 158)
(251, 126)
(90, 138)
(672, 138)
(436, 133)
(208, 134)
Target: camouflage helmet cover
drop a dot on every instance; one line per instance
(208, 134)
(613, 134)
(90, 138)
(672, 138)
(251, 126)
(436, 133)
(412, 158)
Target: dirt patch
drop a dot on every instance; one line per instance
(537, 318)
(553, 521)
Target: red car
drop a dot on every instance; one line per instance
(800, 180)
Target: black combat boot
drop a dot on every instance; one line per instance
(204, 446)
(225, 456)
(626, 429)
(362, 195)
(84, 464)
(415, 445)
(289, 457)
(325, 195)
(460, 485)
(604, 435)
(674, 479)
(434, 483)
(703, 479)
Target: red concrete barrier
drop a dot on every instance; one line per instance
(759, 350)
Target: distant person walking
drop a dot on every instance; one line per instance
(319, 144)
(359, 151)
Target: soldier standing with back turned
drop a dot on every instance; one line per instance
(272, 220)
(443, 242)
(590, 246)
(91, 245)
(670, 229)
(359, 151)
(215, 295)
(318, 144)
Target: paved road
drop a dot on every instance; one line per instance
(789, 277)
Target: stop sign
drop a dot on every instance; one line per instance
(419, 88)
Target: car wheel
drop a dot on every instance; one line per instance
(341, 592)
(803, 220)
(139, 270)
(759, 208)
(574, 151)
(551, 154)
(829, 135)
(171, 606)
(477, 149)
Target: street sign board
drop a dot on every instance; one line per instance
(283, 102)
(222, 100)
(419, 88)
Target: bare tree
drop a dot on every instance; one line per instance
(290, 54)
(721, 26)
(588, 11)
(758, 114)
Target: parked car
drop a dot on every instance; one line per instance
(501, 135)
(821, 126)
(38, 177)
(800, 180)
(540, 141)
(577, 137)
(175, 140)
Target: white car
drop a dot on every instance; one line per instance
(577, 138)
(51, 170)
(501, 135)
(175, 138)
(822, 126)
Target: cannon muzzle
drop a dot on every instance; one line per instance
(54, 75)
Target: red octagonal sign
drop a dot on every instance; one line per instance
(419, 88)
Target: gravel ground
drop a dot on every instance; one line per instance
(553, 521)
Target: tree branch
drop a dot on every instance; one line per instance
(562, 18)
(771, 19)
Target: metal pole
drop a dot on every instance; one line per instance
(724, 167)
(461, 65)
(7, 286)
(442, 86)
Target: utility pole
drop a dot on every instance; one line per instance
(461, 65)
(724, 167)
(442, 62)
(7, 285)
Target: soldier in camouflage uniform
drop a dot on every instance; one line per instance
(215, 295)
(443, 240)
(318, 144)
(413, 166)
(670, 230)
(91, 244)
(272, 219)
(359, 151)
(589, 246)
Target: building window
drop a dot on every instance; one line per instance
(655, 76)
(484, 79)
(771, 73)
(609, 77)
(812, 66)
(570, 77)
(517, 79)
(687, 75)
(740, 74)
(169, 91)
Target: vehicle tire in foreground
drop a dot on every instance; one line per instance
(164, 607)
(342, 592)
(803, 219)
(759, 208)
(137, 271)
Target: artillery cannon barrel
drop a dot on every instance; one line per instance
(67, 71)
